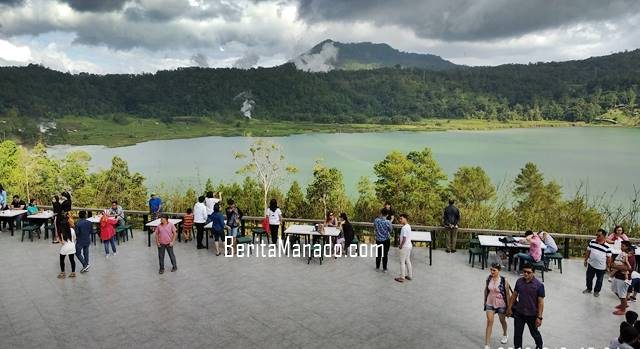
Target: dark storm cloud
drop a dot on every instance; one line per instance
(467, 20)
(11, 2)
(95, 5)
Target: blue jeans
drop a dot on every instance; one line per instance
(113, 245)
(523, 258)
(82, 252)
(233, 232)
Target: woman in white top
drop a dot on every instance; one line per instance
(68, 247)
(274, 214)
(209, 201)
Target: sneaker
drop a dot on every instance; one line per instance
(115, 253)
(628, 282)
(174, 269)
(83, 270)
(86, 269)
(408, 278)
(586, 291)
(596, 294)
(107, 256)
(384, 271)
(161, 271)
(504, 340)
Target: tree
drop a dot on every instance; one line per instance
(538, 203)
(367, 206)
(412, 183)
(326, 191)
(294, 203)
(471, 186)
(266, 162)
(117, 183)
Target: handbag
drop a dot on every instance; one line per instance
(507, 240)
(265, 224)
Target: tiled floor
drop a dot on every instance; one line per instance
(269, 303)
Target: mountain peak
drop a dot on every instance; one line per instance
(329, 54)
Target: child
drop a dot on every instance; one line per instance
(187, 225)
(621, 259)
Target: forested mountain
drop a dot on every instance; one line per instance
(367, 55)
(573, 90)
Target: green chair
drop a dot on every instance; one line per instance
(31, 229)
(539, 266)
(50, 228)
(473, 252)
(123, 230)
(556, 257)
(245, 240)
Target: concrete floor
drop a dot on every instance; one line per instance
(270, 303)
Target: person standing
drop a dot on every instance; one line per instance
(68, 248)
(405, 249)
(57, 211)
(200, 219)
(3, 198)
(108, 232)
(18, 204)
(165, 238)
(596, 260)
(526, 305)
(619, 286)
(155, 206)
(217, 227)
(391, 215)
(274, 214)
(209, 201)
(84, 229)
(233, 223)
(347, 232)
(451, 218)
(382, 227)
(496, 295)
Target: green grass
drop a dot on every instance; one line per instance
(105, 131)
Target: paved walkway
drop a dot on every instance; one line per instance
(269, 303)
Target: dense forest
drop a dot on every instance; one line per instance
(573, 91)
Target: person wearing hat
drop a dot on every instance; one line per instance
(108, 232)
(155, 206)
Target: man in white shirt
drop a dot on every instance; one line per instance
(199, 220)
(405, 249)
(596, 260)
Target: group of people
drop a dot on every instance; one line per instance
(613, 254)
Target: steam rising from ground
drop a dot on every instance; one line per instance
(247, 104)
(247, 61)
(318, 62)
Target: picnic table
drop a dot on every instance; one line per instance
(309, 232)
(43, 217)
(9, 216)
(156, 222)
(493, 241)
(423, 236)
(96, 220)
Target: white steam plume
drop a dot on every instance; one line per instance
(318, 62)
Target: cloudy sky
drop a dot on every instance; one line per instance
(131, 36)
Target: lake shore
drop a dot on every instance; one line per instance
(100, 131)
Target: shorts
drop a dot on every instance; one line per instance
(619, 287)
(500, 310)
(217, 235)
(233, 232)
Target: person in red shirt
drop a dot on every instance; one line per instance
(108, 232)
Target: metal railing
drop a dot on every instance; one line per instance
(568, 240)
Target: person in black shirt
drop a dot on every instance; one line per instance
(450, 219)
(346, 232)
(17, 204)
(392, 214)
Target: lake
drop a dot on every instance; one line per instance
(604, 159)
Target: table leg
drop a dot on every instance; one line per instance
(430, 251)
(149, 237)
(11, 220)
(483, 260)
(510, 259)
(207, 238)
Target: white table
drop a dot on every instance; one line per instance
(309, 231)
(156, 222)
(43, 216)
(615, 249)
(423, 236)
(10, 216)
(487, 241)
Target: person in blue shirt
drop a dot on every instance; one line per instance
(217, 226)
(32, 208)
(382, 227)
(84, 229)
(3, 198)
(155, 206)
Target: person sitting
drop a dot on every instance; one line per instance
(32, 208)
(628, 336)
(535, 249)
(117, 212)
(618, 234)
(330, 220)
(18, 204)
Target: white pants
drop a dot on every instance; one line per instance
(405, 261)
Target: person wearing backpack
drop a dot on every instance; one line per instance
(496, 294)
